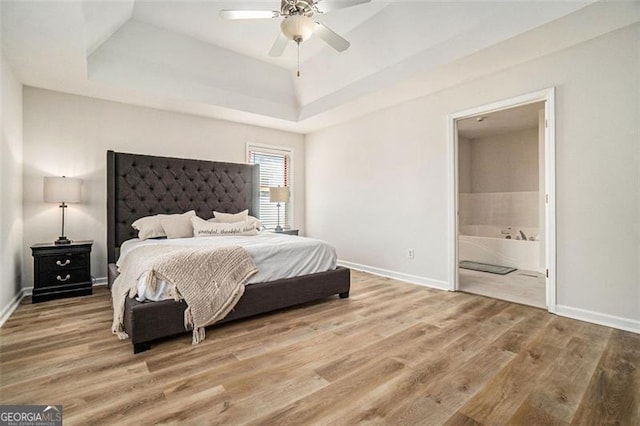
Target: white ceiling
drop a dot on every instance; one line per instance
(178, 55)
(248, 37)
(504, 121)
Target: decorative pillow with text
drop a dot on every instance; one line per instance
(203, 228)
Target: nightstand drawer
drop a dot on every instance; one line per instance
(63, 262)
(69, 276)
(61, 270)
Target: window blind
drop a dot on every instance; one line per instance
(274, 171)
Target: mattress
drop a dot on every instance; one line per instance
(277, 256)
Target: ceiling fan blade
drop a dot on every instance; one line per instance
(279, 45)
(248, 14)
(331, 38)
(331, 5)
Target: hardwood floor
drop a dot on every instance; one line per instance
(393, 353)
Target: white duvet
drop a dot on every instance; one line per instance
(277, 256)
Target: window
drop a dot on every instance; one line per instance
(275, 170)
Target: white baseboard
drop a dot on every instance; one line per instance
(606, 320)
(613, 321)
(400, 276)
(7, 310)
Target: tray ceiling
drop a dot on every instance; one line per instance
(180, 55)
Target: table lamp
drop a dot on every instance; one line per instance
(62, 190)
(279, 194)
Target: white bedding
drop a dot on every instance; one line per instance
(277, 256)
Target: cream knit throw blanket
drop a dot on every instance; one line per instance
(210, 280)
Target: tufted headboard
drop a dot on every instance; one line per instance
(143, 185)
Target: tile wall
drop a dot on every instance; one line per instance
(502, 209)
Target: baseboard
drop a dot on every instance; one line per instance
(612, 321)
(6, 312)
(400, 276)
(606, 320)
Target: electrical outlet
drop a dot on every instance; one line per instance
(410, 254)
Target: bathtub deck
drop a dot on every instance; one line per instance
(518, 286)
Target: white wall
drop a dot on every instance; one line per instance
(388, 182)
(69, 135)
(10, 187)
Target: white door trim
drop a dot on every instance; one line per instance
(547, 95)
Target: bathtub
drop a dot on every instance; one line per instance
(488, 244)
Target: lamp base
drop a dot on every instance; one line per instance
(62, 240)
(278, 228)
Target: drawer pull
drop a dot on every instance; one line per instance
(66, 262)
(59, 278)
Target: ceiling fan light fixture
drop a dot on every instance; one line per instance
(297, 27)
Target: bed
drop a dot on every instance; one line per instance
(143, 185)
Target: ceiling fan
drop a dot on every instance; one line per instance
(298, 24)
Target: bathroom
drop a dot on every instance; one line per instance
(501, 204)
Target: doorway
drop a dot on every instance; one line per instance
(502, 232)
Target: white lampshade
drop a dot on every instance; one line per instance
(62, 189)
(279, 194)
(297, 27)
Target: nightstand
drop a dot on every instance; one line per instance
(287, 232)
(61, 270)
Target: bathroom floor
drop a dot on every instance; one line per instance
(520, 286)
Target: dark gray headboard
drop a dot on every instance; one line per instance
(143, 185)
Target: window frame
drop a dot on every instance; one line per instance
(278, 150)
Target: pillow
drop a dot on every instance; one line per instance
(256, 221)
(148, 227)
(230, 217)
(203, 228)
(177, 225)
(234, 218)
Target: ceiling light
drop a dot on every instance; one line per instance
(297, 24)
(297, 27)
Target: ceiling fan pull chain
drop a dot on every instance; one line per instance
(298, 58)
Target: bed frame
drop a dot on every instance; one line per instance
(143, 185)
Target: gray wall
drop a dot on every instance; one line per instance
(503, 163)
(499, 179)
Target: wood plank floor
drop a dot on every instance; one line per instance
(393, 353)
